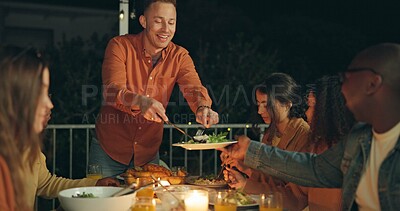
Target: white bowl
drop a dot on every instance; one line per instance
(102, 202)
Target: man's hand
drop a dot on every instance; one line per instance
(238, 150)
(152, 110)
(234, 178)
(239, 166)
(108, 181)
(206, 116)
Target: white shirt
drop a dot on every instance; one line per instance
(367, 191)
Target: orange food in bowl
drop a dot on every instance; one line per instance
(175, 180)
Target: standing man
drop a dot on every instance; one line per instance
(366, 165)
(139, 73)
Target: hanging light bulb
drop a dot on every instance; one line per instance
(121, 15)
(133, 14)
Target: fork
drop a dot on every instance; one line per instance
(221, 171)
(200, 131)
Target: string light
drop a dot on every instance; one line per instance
(132, 15)
(121, 15)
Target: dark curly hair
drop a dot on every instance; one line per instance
(332, 120)
(283, 88)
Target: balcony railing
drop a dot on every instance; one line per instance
(67, 147)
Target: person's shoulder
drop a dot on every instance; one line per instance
(299, 123)
(125, 38)
(176, 49)
(360, 127)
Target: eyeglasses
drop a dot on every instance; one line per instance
(353, 70)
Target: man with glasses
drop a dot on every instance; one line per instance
(366, 165)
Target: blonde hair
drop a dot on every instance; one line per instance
(20, 87)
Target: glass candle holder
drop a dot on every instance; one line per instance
(196, 200)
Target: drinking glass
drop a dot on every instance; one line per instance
(148, 191)
(144, 203)
(94, 171)
(271, 202)
(225, 201)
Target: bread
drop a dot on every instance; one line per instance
(156, 168)
(129, 180)
(142, 173)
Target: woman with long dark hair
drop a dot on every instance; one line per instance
(279, 100)
(330, 123)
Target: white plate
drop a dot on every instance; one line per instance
(191, 180)
(204, 146)
(247, 206)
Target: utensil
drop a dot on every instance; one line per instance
(221, 171)
(166, 189)
(129, 189)
(200, 131)
(124, 191)
(179, 129)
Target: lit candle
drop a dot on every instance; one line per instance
(196, 200)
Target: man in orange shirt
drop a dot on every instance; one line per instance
(139, 73)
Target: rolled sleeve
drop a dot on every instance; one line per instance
(252, 157)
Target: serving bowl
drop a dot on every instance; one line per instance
(102, 201)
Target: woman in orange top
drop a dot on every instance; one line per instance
(277, 101)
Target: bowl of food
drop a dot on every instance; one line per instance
(95, 198)
(174, 195)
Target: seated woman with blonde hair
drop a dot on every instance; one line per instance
(24, 106)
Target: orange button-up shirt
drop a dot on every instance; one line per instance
(122, 132)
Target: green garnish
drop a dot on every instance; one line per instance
(84, 195)
(217, 138)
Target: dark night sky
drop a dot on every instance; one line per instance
(379, 19)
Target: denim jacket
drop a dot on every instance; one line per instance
(338, 167)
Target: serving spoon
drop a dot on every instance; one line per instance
(129, 189)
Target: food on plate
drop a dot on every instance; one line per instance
(175, 180)
(154, 170)
(209, 180)
(214, 138)
(149, 170)
(181, 173)
(243, 199)
(84, 195)
(154, 167)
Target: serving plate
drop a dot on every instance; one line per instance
(242, 207)
(205, 146)
(191, 180)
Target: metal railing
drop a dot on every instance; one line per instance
(66, 145)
